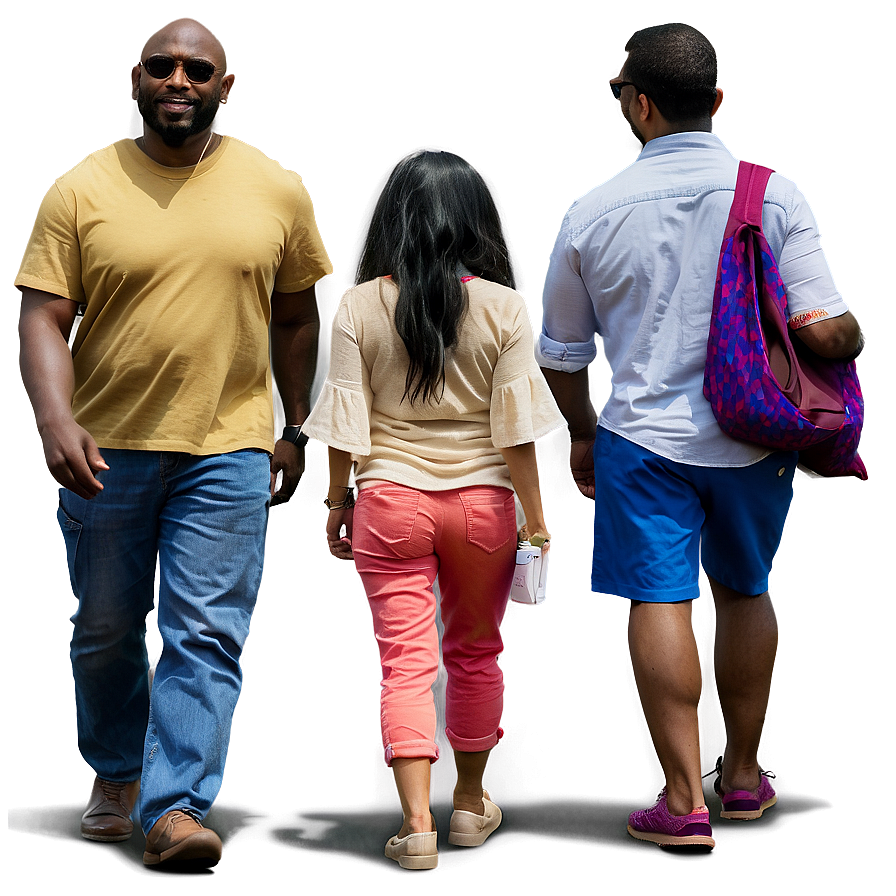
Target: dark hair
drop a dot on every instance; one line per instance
(435, 214)
(674, 65)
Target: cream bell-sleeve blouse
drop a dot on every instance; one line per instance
(495, 395)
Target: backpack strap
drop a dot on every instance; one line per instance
(749, 194)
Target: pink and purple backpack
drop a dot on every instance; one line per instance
(762, 387)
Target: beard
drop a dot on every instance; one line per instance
(635, 131)
(174, 134)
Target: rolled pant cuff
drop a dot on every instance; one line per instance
(412, 749)
(473, 744)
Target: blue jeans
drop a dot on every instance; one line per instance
(205, 518)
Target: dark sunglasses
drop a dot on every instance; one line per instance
(197, 71)
(616, 87)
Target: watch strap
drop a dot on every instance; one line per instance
(295, 435)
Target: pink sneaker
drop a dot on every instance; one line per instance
(658, 825)
(745, 805)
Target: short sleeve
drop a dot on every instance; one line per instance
(811, 293)
(341, 415)
(52, 260)
(305, 259)
(522, 406)
(568, 322)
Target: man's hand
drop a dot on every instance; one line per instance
(340, 545)
(289, 460)
(581, 462)
(572, 395)
(73, 458)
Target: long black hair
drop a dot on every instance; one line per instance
(434, 216)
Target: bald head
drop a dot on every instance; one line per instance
(178, 85)
(186, 37)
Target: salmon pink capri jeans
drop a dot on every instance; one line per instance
(402, 539)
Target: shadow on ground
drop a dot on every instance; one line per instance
(345, 843)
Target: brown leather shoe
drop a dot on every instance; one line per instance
(108, 814)
(179, 839)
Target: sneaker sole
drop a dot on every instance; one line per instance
(748, 814)
(671, 840)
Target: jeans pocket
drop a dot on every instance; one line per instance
(491, 518)
(71, 533)
(386, 514)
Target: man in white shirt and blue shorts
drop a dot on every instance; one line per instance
(635, 262)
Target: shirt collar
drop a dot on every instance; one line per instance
(681, 141)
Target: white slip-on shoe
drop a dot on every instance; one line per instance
(416, 852)
(470, 829)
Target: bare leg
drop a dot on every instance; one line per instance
(746, 643)
(412, 781)
(667, 673)
(468, 791)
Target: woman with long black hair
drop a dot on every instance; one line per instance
(434, 395)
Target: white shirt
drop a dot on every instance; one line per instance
(635, 262)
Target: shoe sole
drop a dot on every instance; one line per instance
(459, 839)
(201, 854)
(151, 858)
(748, 814)
(411, 862)
(417, 863)
(671, 840)
(106, 838)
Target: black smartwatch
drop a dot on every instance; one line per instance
(295, 435)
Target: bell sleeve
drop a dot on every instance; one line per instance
(522, 406)
(341, 416)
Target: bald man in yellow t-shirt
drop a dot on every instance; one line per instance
(192, 258)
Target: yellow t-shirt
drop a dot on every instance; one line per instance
(175, 267)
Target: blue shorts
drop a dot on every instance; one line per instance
(655, 517)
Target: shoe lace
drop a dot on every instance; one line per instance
(112, 789)
(718, 771)
(184, 815)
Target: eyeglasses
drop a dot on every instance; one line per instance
(197, 71)
(616, 87)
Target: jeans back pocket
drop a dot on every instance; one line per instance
(491, 517)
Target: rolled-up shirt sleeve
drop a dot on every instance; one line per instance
(566, 342)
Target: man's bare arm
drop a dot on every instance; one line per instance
(295, 328)
(573, 397)
(833, 337)
(72, 456)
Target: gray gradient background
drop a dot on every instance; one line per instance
(338, 91)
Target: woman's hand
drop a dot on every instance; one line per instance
(340, 545)
(539, 537)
